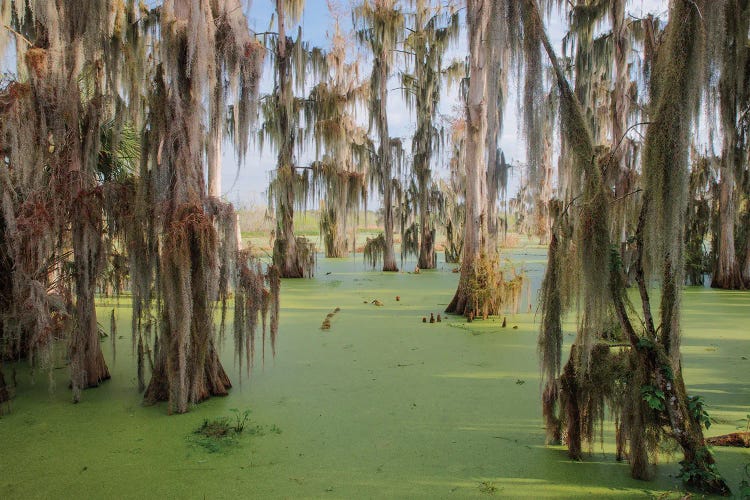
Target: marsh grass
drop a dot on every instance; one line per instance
(221, 434)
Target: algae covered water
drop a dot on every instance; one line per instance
(381, 405)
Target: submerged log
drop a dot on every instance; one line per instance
(736, 439)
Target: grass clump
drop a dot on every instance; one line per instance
(218, 434)
(215, 435)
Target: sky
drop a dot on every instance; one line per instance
(245, 185)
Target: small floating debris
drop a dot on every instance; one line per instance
(377, 303)
(326, 325)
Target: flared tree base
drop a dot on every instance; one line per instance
(212, 381)
(92, 374)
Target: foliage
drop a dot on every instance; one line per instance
(379, 28)
(697, 408)
(694, 474)
(374, 250)
(493, 288)
(434, 29)
(341, 145)
(218, 434)
(654, 397)
(256, 294)
(744, 489)
(657, 406)
(282, 112)
(240, 419)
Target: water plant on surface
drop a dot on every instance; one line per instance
(217, 434)
(240, 419)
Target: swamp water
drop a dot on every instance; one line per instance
(381, 405)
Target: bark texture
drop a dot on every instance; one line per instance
(475, 228)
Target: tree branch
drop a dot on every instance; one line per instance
(19, 35)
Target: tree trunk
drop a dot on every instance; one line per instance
(619, 109)
(87, 365)
(427, 232)
(334, 234)
(187, 368)
(4, 392)
(475, 228)
(497, 58)
(285, 247)
(571, 392)
(422, 143)
(552, 424)
(659, 363)
(215, 136)
(649, 365)
(427, 257)
(727, 272)
(732, 99)
(340, 242)
(386, 164)
(9, 349)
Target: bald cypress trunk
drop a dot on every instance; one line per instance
(475, 229)
(335, 230)
(423, 152)
(497, 57)
(285, 246)
(4, 392)
(186, 368)
(655, 353)
(733, 97)
(87, 365)
(619, 109)
(727, 271)
(386, 167)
